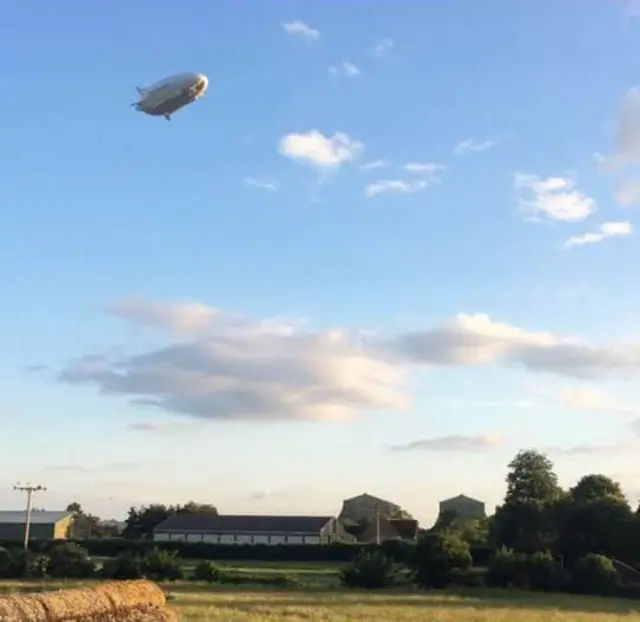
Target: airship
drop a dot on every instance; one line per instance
(167, 96)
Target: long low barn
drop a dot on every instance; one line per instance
(252, 529)
(43, 525)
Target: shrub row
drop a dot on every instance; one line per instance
(441, 561)
(111, 547)
(71, 561)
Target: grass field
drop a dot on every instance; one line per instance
(203, 603)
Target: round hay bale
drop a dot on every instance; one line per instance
(132, 594)
(76, 603)
(22, 608)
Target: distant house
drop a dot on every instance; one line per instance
(43, 525)
(383, 530)
(251, 529)
(366, 507)
(465, 507)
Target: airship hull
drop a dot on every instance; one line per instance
(166, 97)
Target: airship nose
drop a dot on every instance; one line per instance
(204, 82)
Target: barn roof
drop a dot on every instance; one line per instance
(236, 523)
(37, 518)
(462, 498)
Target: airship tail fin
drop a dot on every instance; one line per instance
(141, 91)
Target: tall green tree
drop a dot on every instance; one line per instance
(91, 522)
(141, 521)
(531, 478)
(597, 487)
(525, 522)
(593, 519)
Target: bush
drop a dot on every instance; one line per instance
(595, 574)
(369, 571)
(401, 552)
(272, 579)
(437, 557)
(123, 567)
(20, 564)
(507, 569)
(545, 573)
(159, 565)
(70, 561)
(467, 578)
(207, 571)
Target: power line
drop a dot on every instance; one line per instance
(29, 489)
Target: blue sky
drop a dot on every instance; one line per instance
(338, 221)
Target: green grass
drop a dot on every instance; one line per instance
(199, 603)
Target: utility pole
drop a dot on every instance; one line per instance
(29, 489)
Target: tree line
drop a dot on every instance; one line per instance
(593, 516)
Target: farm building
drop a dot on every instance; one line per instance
(381, 529)
(252, 529)
(43, 526)
(465, 507)
(367, 507)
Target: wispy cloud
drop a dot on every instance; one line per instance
(302, 30)
(453, 443)
(375, 164)
(604, 232)
(345, 68)
(424, 168)
(589, 399)
(470, 145)
(265, 493)
(394, 186)
(263, 184)
(382, 48)
(607, 449)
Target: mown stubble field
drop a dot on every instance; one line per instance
(339, 606)
(203, 603)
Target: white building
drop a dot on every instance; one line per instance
(251, 529)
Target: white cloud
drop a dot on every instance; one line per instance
(605, 231)
(475, 339)
(241, 369)
(554, 198)
(382, 48)
(215, 365)
(470, 145)
(302, 30)
(264, 184)
(345, 68)
(394, 186)
(375, 164)
(453, 443)
(318, 150)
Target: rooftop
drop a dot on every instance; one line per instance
(37, 518)
(250, 523)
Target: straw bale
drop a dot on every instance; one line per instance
(130, 594)
(21, 609)
(76, 603)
